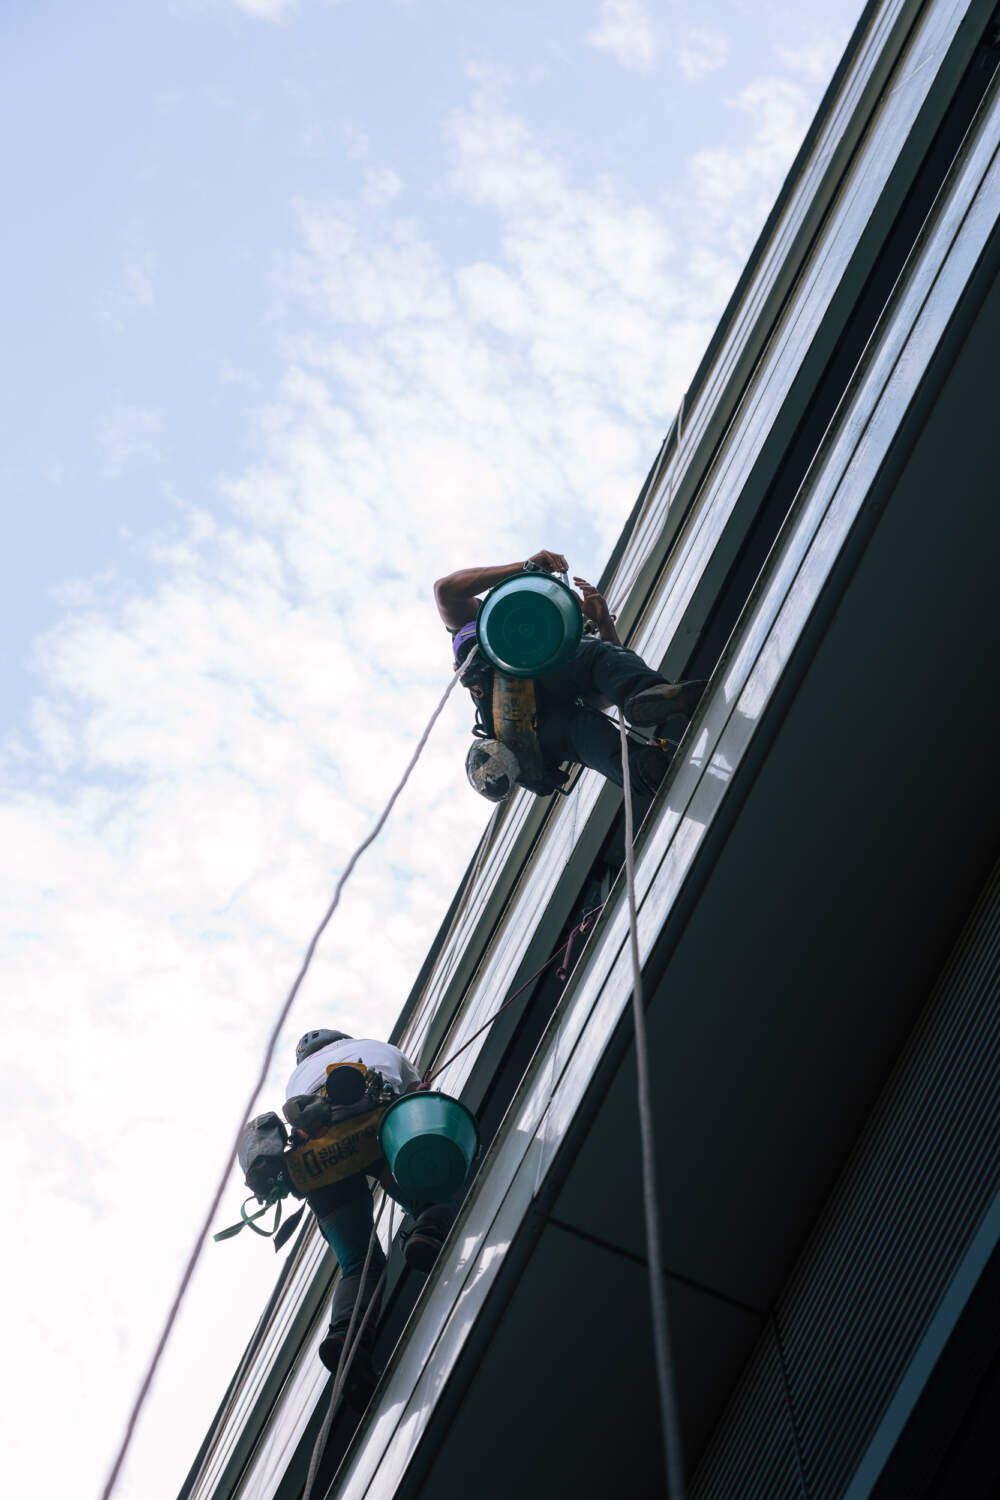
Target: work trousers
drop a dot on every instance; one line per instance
(345, 1216)
(583, 735)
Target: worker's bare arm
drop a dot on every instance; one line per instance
(456, 594)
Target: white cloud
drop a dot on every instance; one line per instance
(314, 141)
(207, 749)
(127, 433)
(701, 50)
(604, 292)
(492, 295)
(396, 278)
(132, 291)
(206, 753)
(813, 60)
(381, 185)
(267, 10)
(203, 760)
(354, 141)
(733, 187)
(626, 31)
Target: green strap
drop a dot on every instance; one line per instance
(274, 1198)
(248, 1219)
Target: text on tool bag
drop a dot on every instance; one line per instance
(515, 723)
(347, 1147)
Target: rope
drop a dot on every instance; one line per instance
(637, 739)
(669, 1424)
(561, 952)
(348, 1351)
(272, 1043)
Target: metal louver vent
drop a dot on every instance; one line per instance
(756, 1458)
(922, 1174)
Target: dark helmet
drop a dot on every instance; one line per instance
(492, 769)
(312, 1041)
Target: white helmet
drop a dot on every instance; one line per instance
(492, 769)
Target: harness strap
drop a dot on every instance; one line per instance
(273, 1200)
(287, 1229)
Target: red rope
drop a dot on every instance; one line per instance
(561, 952)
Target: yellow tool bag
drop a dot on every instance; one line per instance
(515, 723)
(348, 1147)
(341, 1121)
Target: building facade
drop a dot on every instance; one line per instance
(819, 917)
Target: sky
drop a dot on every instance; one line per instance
(305, 303)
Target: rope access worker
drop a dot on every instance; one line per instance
(571, 729)
(344, 1209)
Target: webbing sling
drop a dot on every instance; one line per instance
(273, 1200)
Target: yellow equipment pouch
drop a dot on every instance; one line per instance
(348, 1147)
(515, 722)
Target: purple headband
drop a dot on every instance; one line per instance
(461, 637)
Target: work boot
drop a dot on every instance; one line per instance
(423, 1241)
(665, 700)
(362, 1376)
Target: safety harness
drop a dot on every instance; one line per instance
(347, 1147)
(506, 710)
(334, 1136)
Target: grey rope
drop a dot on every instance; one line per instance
(669, 1423)
(348, 1351)
(272, 1043)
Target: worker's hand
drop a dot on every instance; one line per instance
(552, 562)
(595, 606)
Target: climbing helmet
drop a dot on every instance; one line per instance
(492, 769)
(312, 1041)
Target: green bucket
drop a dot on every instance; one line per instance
(529, 625)
(430, 1142)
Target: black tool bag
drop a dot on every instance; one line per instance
(348, 1090)
(308, 1113)
(261, 1151)
(478, 678)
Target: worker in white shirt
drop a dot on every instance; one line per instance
(344, 1209)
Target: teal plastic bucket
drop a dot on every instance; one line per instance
(430, 1142)
(529, 625)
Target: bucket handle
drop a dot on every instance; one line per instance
(533, 567)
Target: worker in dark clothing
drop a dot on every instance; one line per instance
(603, 673)
(344, 1209)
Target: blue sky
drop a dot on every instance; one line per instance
(154, 152)
(304, 305)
